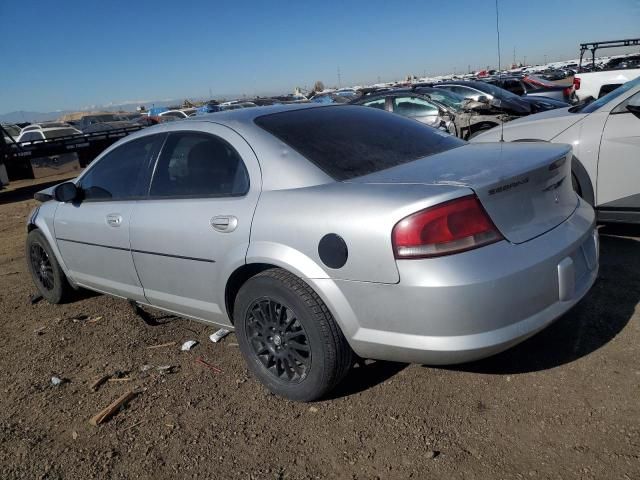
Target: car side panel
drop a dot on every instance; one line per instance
(289, 224)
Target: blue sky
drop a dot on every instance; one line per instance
(70, 54)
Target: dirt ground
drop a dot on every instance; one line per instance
(565, 404)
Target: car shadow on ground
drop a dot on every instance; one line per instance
(24, 193)
(365, 375)
(595, 321)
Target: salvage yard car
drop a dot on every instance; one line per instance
(323, 232)
(605, 135)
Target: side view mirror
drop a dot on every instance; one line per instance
(66, 192)
(483, 99)
(634, 107)
(495, 102)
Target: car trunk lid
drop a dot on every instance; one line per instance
(525, 187)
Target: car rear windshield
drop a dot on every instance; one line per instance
(349, 141)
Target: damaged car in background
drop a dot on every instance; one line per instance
(322, 233)
(442, 108)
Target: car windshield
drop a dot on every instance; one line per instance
(348, 141)
(497, 92)
(59, 132)
(12, 130)
(595, 105)
(446, 97)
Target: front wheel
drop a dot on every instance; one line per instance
(45, 270)
(288, 337)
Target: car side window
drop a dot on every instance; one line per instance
(117, 175)
(194, 164)
(379, 103)
(413, 107)
(633, 100)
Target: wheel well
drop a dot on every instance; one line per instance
(237, 279)
(584, 182)
(31, 227)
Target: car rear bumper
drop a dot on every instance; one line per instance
(472, 305)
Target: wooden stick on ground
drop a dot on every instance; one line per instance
(168, 344)
(113, 408)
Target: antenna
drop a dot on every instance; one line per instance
(499, 65)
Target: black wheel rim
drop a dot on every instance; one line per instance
(278, 340)
(42, 267)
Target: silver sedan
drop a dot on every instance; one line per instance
(321, 233)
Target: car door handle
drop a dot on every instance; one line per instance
(224, 223)
(114, 220)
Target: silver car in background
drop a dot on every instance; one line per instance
(320, 232)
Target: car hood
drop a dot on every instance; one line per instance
(540, 126)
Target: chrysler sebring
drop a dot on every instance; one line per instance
(323, 232)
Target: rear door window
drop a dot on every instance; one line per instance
(194, 164)
(347, 141)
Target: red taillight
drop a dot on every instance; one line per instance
(576, 83)
(451, 227)
(567, 92)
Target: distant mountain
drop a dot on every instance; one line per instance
(24, 116)
(21, 116)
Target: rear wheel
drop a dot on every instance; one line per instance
(288, 337)
(45, 270)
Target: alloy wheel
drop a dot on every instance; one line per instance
(278, 340)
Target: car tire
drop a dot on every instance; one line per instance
(45, 270)
(288, 337)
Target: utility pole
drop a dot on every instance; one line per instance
(525, 60)
(339, 79)
(514, 55)
(545, 58)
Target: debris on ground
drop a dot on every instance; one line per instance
(79, 318)
(219, 335)
(123, 379)
(188, 345)
(74, 435)
(98, 382)
(162, 345)
(166, 369)
(313, 409)
(431, 454)
(106, 413)
(55, 381)
(94, 319)
(40, 330)
(146, 368)
(213, 368)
